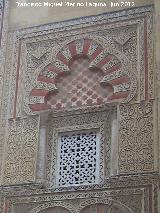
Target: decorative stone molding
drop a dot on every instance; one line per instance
(123, 36)
(130, 194)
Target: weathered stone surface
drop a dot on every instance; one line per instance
(95, 73)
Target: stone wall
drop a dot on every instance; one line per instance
(157, 68)
(4, 11)
(115, 50)
(37, 16)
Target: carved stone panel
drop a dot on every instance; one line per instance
(136, 138)
(21, 153)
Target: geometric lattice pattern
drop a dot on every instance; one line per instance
(78, 163)
(81, 88)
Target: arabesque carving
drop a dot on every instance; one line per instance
(136, 138)
(22, 146)
(118, 48)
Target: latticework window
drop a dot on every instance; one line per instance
(78, 158)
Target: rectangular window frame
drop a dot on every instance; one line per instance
(57, 131)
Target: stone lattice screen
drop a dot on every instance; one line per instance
(79, 88)
(78, 158)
